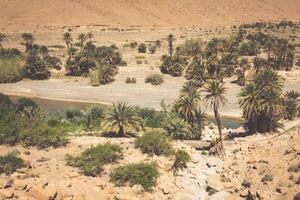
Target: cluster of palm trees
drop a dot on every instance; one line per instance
(262, 102)
(38, 60)
(84, 57)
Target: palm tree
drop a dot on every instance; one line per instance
(44, 51)
(90, 36)
(171, 39)
(67, 37)
(214, 98)
(28, 39)
(121, 116)
(82, 38)
(2, 39)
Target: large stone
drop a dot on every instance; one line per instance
(6, 194)
(214, 184)
(219, 196)
(39, 193)
(20, 185)
(165, 184)
(164, 163)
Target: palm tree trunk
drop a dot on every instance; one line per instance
(218, 120)
(121, 132)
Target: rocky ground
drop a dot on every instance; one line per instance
(234, 176)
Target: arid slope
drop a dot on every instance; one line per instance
(21, 15)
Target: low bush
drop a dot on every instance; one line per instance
(267, 178)
(92, 160)
(181, 160)
(143, 174)
(11, 69)
(154, 79)
(130, 80)
(10, 163)
(133, 44)
(294, 168)
(154, 143)
(24, 102)
(142, 48)
(152, 49)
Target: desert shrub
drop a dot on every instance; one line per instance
(152, 49)
(9, 53)
(154, 79)
(106, 73)
(294, 168)
(43, 136)
(267, 178)
(10, 163)
(73, 113)
(11, 69)
(151, 117)
(143, 174)
(173, 65)
(297, 196)
(133, 45)
(181, 160)
(53, 62)
(250, 48)
(291, 108)
(154, 143)
(142, 48)
(11, 125)
(92, 160)
(130, 80)
(139, 62)
(5, 103)
(94, 78)
(24, 102)
(158, 43)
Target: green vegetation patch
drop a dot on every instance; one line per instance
(144, 174)
(154, 79)
(10, 163)
(154, 143)
(11, 69)
(92, 160)
(181, 160)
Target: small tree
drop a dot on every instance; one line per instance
(171, 39)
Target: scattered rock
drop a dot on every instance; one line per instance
(214, 184)
(20, 185)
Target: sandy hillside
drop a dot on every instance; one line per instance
(21, 15)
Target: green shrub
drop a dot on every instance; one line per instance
(154, 79)
(11, 69)
(154, 143)
(11, 125)
(5, 103)
(143, 174)
(10, 163)
(142, 48)
(92, 160)
(24, 102)
(181, 159)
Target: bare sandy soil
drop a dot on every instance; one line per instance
(29, 15)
